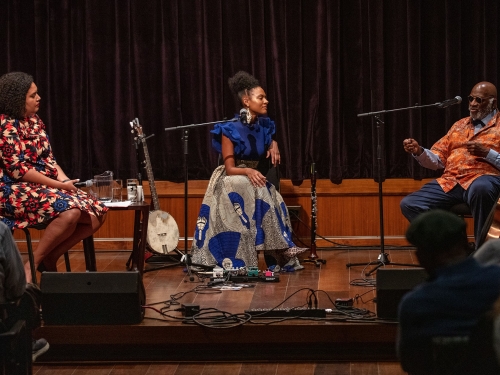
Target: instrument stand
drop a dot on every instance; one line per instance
(161, 260)
(383, 258)
(185, 256)
(313, 257)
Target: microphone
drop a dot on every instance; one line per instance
(243, 115)
(84, 184)
(449, 102)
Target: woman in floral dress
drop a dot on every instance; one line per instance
(33, 187)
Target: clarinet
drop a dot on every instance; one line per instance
(314, 213)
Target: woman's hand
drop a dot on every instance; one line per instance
(274, 152)
(256, 178)
(36, 177)
(68, 184)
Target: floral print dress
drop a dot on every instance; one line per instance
(24, 145)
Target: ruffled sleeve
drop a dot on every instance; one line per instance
(269, 128)
(229, 130)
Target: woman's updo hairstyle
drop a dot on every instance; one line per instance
(13, 89)
(241, 83)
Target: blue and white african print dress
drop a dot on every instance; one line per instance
(237, 219)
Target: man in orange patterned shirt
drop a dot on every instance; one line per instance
(469, 155)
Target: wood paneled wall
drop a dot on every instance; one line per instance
(346, 214)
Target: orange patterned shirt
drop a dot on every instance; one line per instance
(460, 166)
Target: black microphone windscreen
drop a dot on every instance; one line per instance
(243, 115)
(83, 184)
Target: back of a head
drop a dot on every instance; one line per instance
(437, 232)
(13, 89)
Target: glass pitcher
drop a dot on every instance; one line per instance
(102, 186)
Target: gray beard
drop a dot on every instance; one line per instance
(482, 114)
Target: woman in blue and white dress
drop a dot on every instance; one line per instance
(242, 212)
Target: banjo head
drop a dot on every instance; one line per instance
(163, 233)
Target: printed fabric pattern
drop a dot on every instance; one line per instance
(237, 219)
(25, 145)
(461, 167)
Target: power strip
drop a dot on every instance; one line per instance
(287, 313)
(246, 279)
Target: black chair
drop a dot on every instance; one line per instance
(271, 172)
(462, 210)
(30, 251)
(450, 354)
(265, 167)
(473, 354)
(15, 345)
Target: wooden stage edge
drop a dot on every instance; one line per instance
(297, 342)
(155, 339)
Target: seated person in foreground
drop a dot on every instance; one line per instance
(22, 301)
(33, 187)
(242, 212)
(452, 301)
(469, 155)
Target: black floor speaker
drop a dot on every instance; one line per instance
(392, 285)
(92, 298)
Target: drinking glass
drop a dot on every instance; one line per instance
(117, 190)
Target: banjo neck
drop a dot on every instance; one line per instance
(151, 180)
(147, 162)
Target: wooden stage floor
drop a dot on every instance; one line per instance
(345, 335)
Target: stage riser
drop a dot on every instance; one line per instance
(206, 353)
(285, 343)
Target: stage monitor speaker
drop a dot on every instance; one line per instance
(92, 298)
(392, 285)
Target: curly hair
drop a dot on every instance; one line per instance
(241, 83)
(13, 89)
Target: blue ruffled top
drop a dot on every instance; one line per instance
(250, 141)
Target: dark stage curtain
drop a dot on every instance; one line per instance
(99, 64)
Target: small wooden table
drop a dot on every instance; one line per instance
(136, 262)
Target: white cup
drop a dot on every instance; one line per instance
(132, 184)
(140, 193)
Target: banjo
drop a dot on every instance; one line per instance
(163, 233)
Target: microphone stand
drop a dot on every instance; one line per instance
(383, 258)
(186, 257)
(313, 257)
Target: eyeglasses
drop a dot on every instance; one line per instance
(478, 99)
